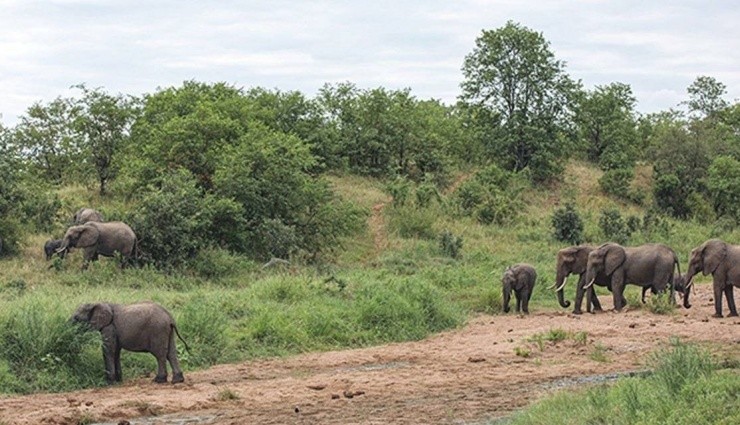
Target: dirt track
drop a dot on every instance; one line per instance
(468, 375)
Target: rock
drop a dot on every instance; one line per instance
(335, 396)
(633, 325)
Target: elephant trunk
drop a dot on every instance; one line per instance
(507, 297)
(560, 281)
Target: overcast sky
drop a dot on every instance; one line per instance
(137, 46)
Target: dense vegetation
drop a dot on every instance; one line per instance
(396, 214)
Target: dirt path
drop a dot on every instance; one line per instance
(468, 375)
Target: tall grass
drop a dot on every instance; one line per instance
(685, 388)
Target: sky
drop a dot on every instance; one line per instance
(138, 46)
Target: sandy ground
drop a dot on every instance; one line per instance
(466, 376)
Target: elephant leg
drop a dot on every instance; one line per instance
(161, 377)
(525, 301)
(579, 296)
(518, 296)
(174, 362)
(109, 359)
(595, 301)
(618, 292)
(117, 364)
(730, 300)
(717, 286)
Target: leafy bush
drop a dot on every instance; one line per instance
(450, 244)
(567, 225)
(411, 222)
(489, 197)
(616, 181)
(613, 226)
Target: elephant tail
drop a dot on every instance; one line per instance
(183, 341)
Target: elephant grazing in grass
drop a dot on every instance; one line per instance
(519, 278)
(104, 239)
(143, 327)
(722, 261)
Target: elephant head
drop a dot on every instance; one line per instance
(79, 237)
(52, 246)
(97, 316)
(607, 259)
(509, 283)
(705, 258)
(570, 260)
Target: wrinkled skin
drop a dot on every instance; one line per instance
(573, 260)
(104, 239)
(86, 215)
(519, 278)
(143, 327)
(722, 261)
(52, 247)
(650, 266)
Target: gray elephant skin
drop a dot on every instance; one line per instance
(519, 278)
(650, 266)
(53, 246)
(142, 327)
(573, 260)
(104, 239)
(86, 215)
(722, 261)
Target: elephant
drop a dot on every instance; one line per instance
(104, 239)
(521, 279)
(573, 260)
(86, 215)
(141, 327)
(51, 247)
(649, 266)
(722, 260)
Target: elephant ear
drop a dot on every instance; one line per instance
(615, 257)
(88, 236)
(569, 254)
(713, 254)
(101, 316)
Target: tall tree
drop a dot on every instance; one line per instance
(104, 123)
(705, 96)
(525, 95)
(607, 124)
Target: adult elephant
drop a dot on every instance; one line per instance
(143, 327)
(722, 260)
(519, 278)
(104, 239)
(573, 260)
(86, 215)
(649, 266)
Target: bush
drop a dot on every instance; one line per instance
(411, 222)
(613, 226)
(617, 181)
(567, 225)
(723, 184)
(450, 244)
(489, 197)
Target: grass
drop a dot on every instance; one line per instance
(686, 387)
(229, 309)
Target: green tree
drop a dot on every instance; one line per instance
(705, 96)
(524, 96)
(10, 194)
(607, 125)
(103, 124)
(723, 184)
(48, 140)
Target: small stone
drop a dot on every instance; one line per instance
(335, 396)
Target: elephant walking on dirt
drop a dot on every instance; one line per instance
(650, 266)
(573, 260)
(143, 327)
(519, 278)
(722, 260)
(104, 239)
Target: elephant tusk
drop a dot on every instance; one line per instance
(560, 288)
(589, 284)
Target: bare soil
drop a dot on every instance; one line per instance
(468, 375)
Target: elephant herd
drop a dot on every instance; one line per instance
(95, 237)
(650, 266)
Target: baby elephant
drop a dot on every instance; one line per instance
(50, 248)
(519, 278)
(142, 327)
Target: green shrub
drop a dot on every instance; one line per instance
(450, 244)
(613, 226)
(616, 181)
(567, 225)
(661, 303)
(411, 222)
(723, 184)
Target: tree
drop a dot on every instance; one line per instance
(103, 124)
(607, 124)
(723, 184)
(48, 141)
(705, 96)
(525, 97)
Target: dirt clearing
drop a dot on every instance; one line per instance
(469, 375)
